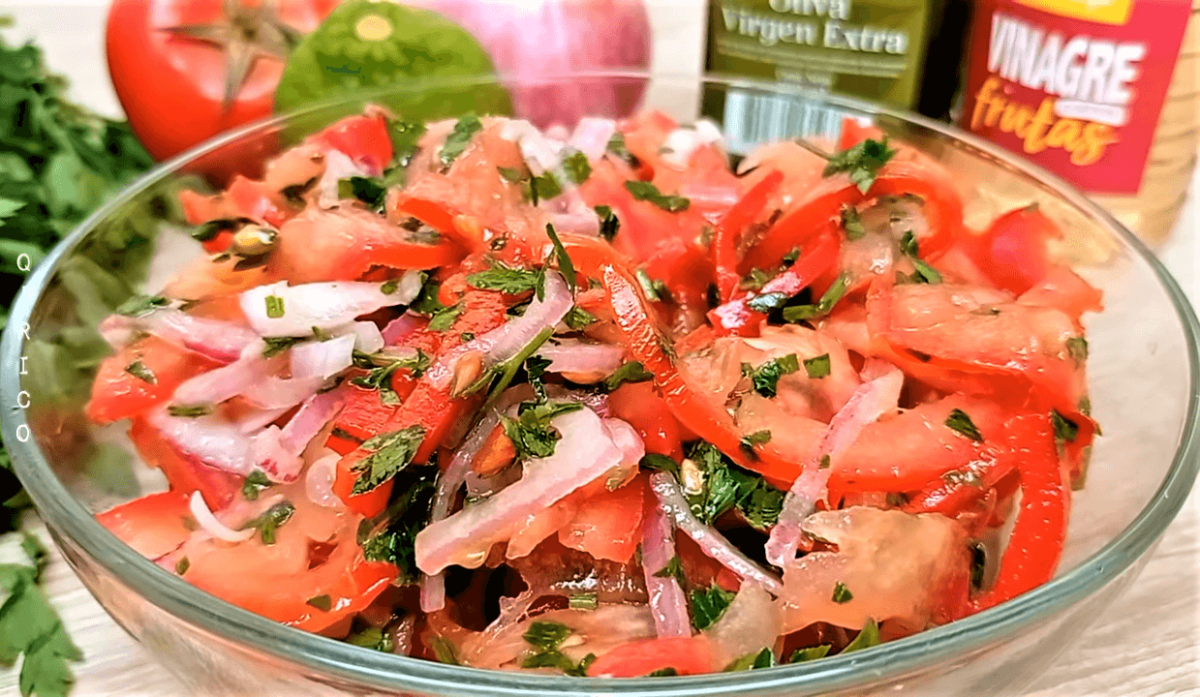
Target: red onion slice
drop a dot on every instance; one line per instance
(711, 542)
(259, 419)
(220, 384)
(667, 601)
(337, 167)
(296, 310)
(877, 396)
(318, 481)
(584, 454)
(209, 523)
(501, 344)
(592, 135)
(323, 359)
(401, 328)
(281, 393)
(312, 417)
(215, 339)
(582, 363)
(752, 622)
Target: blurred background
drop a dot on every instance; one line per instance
(1104, 93)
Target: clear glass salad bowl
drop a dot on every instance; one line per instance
(1143, 373)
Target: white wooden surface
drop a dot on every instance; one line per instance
(1147, 645)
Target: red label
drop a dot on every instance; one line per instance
(1080, 97)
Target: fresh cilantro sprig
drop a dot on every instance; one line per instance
(389, 453)
(765, 378)
(646, 191)
(727, 486)
(862, 162)
(531, 432)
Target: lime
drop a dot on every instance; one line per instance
(369, 45)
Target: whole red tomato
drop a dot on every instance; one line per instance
(186, 70)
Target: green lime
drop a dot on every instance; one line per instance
(369, 45)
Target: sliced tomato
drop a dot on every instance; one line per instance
(640, 405)
(1063, 289)
(344, 244)
(119, 393)
(686, 655)
(608, 525)
(854, 133)
(1013, 250)
(645, 135)
(364, 139)
(154, 525)
(185, 474)
(907, 451)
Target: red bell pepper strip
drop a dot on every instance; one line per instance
(738, 315)
(733, 224)
(703, 417)
(1036, 544)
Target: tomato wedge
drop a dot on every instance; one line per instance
(686, 655)
(154, 525)
(184, 474)
(364, 139)
(140, 377)
(608, 525)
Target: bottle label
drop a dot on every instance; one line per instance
(866, 48)
(1077, 86)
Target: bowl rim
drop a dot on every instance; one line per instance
(66, 516)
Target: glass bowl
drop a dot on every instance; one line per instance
(1143, 372)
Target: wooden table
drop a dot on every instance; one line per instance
(1147, 645)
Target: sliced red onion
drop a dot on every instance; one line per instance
(711, 542)
(682, 142)
(220, 384)
(281, 393)
(337, 167)
(584, 453)
(401, 328)
(667, 601)
(590, 363)
(323, 359)
(209, 523)
(259, 419)
(326, 306)
(268, 454)
(874, 398)
(209, 439)
(752, 622)
(217, 339)
(627, 439)
(367, 337)
(312, 417)
(541, 154)
(433, 587)
(596, 401)
(505, 342)
(592, 135)
(318, 482)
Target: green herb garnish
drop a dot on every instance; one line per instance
(818, 366)
(765, 377)
(577, 167)
(841, 594)
(862, 162)
(646, 191)
(852, 224)
(961, 422)
(565, 266)
(578, 318)
(510, 280)
(811, 653)
(255, 482)
(270, 521)
(828, 300)
(370, 191)
(389, 454)
(139, 370)
(458, 140)
(321, 602)
(752, 661)
(609, 223)
(190, 411)
(274, 306)
(531, 432)
(632, 371)
(868, 637)
(709, 605)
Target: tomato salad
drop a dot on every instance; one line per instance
(601, 402)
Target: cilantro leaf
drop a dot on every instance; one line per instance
(818, 366)
(810, 653)
(868, 637)
(709, 605)
(673, 569)
(544, 187)
(959, 421)
(579, 319)
(389, 454)
(444, 650)
(531, 432)
(140, 305)
(765, 377)
(508, 279)
(444, 318)
(278, 344)
(255, 483)
(458, 140)
(1077, 349)
(852, 224)
(752, 661)
(545, 636)
(373, 638)
(405, 136)
(577, 167)
(139, 370)
(924, 272)
(633, 371)
(381, 368)
(765, 302)
(1065, 430)
(565, 266)
(270, 521)
(841, 594)
(366, 189)
(646, 191)
(610, 224)
(828, 300)
(390, 536)
(862, 162)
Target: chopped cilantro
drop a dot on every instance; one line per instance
(818, 366)
(321, 602)
(278, 344)
(841, 594)
(139, 370)
(752, 661)
(667, 672)
(373, 638)
(190, 411)
(924, 272)
(381, 368)
(444, 318)
(672, 569)
(182, 566)
(390, 536)
(577, 167)
(1077, 349)
(755, 280)
(513, 175)
(709, 605)
(828, 299)
(765, 302)
(565, 266)
(370, 191)
(660, 463)
(509, 279)
(862, 162)
(535, 370)
(810, 653)
(852, 223)
(616, 146)
(632, 371)
(825, 462)
(389, 454)
(271, 520)
(531, 432)
(544, 187)
(140, 305)
(1065, 430)
(444, 650)
(579, 318)
(405, 136)
(255, 482)
(646, 191)
(583, 601)
(274, 306)
(765, 377)
(545, 636)
(655, 290)
(609, 223)
(458, 140)
(868, 637)
(961, 422)
(727, 486)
